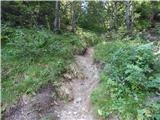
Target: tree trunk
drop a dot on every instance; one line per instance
(57, 16)
(128, 15)
(73, 18)
(115, 14)
(132, 22)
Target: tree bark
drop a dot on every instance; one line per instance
(115, 14)
(128, 15)
(73, 18)
(132, 22)
(57, 16)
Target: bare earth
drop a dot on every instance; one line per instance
(80, 107)
(43, 105)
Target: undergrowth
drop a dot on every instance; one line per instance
(33, 57)
(130, 80)
(89, 38)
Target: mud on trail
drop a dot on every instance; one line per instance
(44, 107)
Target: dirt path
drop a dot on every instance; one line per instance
(43, 107)
(79, 108)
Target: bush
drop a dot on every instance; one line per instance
(6, 33)
(104, 51)
(157, 28)
(127, 78)
(89, 38)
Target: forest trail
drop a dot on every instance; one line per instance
(79, 108)
(42, 105)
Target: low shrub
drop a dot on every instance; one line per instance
(128, 77)
(35, 44)
(89, 38)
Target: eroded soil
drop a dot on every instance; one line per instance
(44, 107)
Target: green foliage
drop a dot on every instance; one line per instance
(27, 13)
(6, 33)
(128, 77)
(32, 57)
(97, 16)
(89, 38)
(35, 44)
(112, 98)
(143, 24)
(157, 63)
(157, 28)
(104, 50)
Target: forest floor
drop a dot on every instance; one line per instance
(44, 107)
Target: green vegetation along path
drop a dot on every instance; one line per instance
(42, 105)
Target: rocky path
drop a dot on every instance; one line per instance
(79, 108)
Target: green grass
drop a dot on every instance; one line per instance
(32, 57)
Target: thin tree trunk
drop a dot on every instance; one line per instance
(132, 24)
(57, 16)
(128, 15)
(73, 19)
(115, 14)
